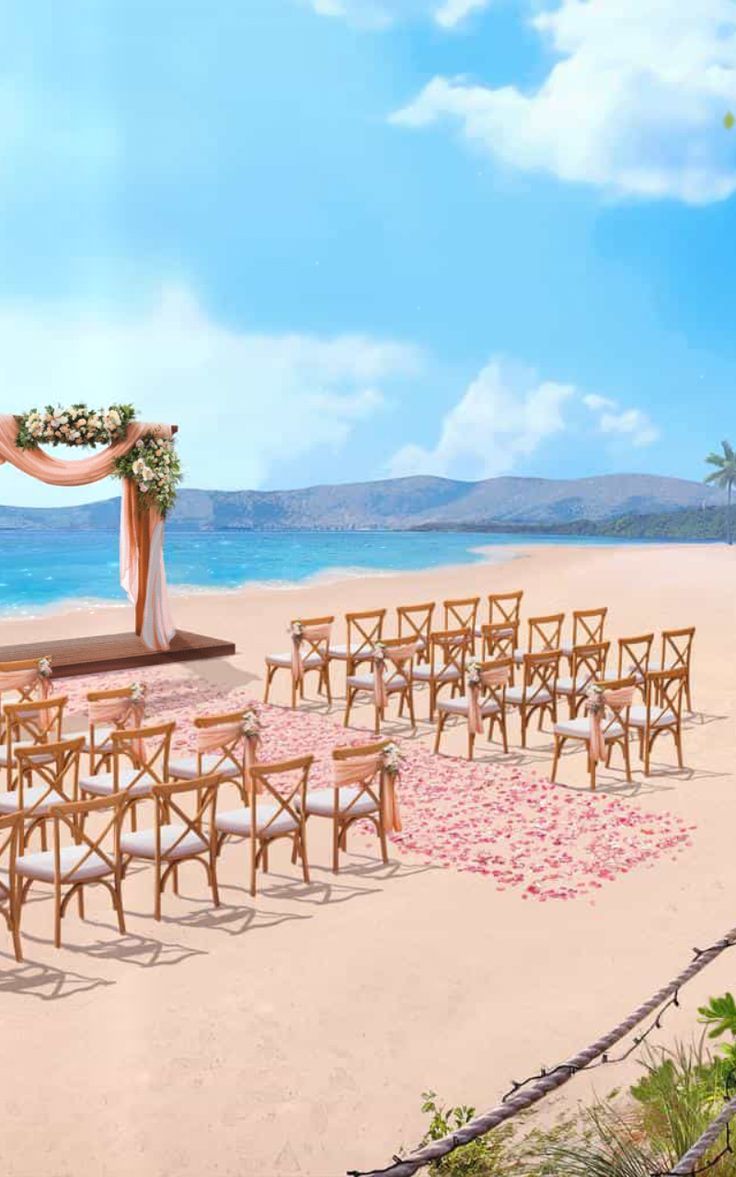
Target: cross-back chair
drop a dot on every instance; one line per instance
(356, 795)
(500, 639)
(661, 714)
(462, 613)
(504, 609)
(177, 836)
(90, 858)
(587, 665)
(223, 750)
(25, 681)
(392, 672)
(415, 624)
(588, 627)
(544, 634)
(43, 782)
(537, 692)
(363, 631)
(634, 655)
(110, 711)
(604, 727)
(31, 723)
(310, 641)
(276, 810)
(484, 698)
(449, 650)
(676, 654)
(11, 842)
(140, 760)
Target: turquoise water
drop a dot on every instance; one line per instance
(41, 569)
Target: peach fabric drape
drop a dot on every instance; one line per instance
(495, 677)
(359, 770)
(312, 633)
(615, 700)
(142, 572)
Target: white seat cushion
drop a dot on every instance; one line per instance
(187, 769)
(355, 651)
(41, 865)
(142, 844)
(459, 706)
(501, 633)
(321, 802)
(38, 798)
(22, 744)
(101, 785)
(238, 821)
(533, 695)
(308, 661)
(580, 728)
(661, 717)
(565, 686)
(365, 682)
(449, 674)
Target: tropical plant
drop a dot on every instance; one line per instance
(724, 476)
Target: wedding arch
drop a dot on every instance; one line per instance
(144, 456)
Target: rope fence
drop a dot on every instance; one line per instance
(537, 1087)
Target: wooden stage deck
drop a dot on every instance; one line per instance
(116, 651)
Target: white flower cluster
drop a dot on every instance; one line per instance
(472, 672)
(76, 425)
(152, 469)
(379, 652)
(392, 758)
(44, 667)
(137, 692)
(296, 629)
(251, 724)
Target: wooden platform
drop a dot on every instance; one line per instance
(116, 651)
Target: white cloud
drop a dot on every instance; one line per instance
(452, 12)
(504, 415)
(632, 424)
(633, 105)
(245, 402)
(380, 14)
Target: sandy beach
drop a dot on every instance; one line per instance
(294, 1033)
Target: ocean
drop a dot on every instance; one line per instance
(39, 570)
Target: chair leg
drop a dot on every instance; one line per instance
(523, 718)
(441, 715)
(349, 696)
(303, 848)
(410, 701)
(556, 757)
(57, 916)
(269, 677)
(335, 845)
(157, 893)
(294, 692)
(328, 685)
(627, 757)
(592, 766)
(253, 867)
(678, 746)
(213, 880)
(471, 744)
(377, 719)
(117, 900)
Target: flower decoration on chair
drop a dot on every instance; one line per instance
(473, 672)
(137, 693)
(594, 701)
(392, 757)
(154, 466)
(251, 724)
(45, 668)
(76, 425)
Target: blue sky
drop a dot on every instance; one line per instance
(340, 239)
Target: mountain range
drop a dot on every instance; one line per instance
(400, 504)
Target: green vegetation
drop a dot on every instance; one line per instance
(703, 524)
(724, 477)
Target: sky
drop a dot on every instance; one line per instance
(338, 240)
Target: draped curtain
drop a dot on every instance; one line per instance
(142, 572)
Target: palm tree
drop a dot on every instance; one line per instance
(724, 476)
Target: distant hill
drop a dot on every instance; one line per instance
(704, 523)
(401, 503)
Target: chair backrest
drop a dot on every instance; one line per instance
(634, 654)
(222, 736)
(665, 691)
(677, 648)
(500, 639)
(282, 786)
(23, 678)
(504, 608)
(117, 707)
(541, 672)
(57, 772)
(415, 621)
(364, 630)
(589, 663)
(360, 768)
(617, 696)
(71, 817)
(495, 676)
(398, 659)
(545, 633)
(449, 650)
(147, 749)
(315, 634)
(11, 843)
(461, 613)
(588, 626)
(169, 806)
(34, 721)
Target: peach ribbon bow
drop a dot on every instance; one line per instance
(617, 700)
(314, 633)
(359, 770)
(121, 713)
(222, 735)
(24, 680)
(399, 656)
(496, 677)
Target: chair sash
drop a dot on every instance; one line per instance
(496, 676)
(396, 654)
(357, 770)
(310, 633)
(616, 701)
(222, 735)
(24, 681)
(121, 713)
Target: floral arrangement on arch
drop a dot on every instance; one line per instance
(154, 466)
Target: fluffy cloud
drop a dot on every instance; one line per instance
(245, 402)
(634, 104)
(383, 13)
(453, 12)
(504, 415)
(632, 424)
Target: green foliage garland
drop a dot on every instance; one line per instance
(75, 425)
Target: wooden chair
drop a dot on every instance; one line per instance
(24, 680)
(30, 724)
(11, 843)
(500, 639)
(493, 680)
(177, 837)
(462, 614)
(89, 859)
(364, 630)
(504, 610)
(140, 760)
(272, 813)
(392, 672)
(58, 774)
(309, 653)
(448, 651)
(588, 665)
(222, 751)
(110, 711)
(676, 654)
(633, 657)
(544, 635)
(415, 624)
(354, 796)
(587, 628)
(537, 694)
(616, 696)
(661, 712)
